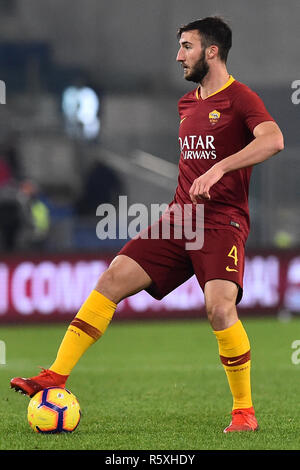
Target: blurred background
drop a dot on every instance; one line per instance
(91, 113)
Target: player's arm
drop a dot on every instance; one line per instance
(268, 141)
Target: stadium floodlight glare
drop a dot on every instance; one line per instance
(81, 107)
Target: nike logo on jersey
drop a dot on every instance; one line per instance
(183, 119)
(231, 269)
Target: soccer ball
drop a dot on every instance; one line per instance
(53, 410)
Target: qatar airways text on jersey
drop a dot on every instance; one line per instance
(196, 147)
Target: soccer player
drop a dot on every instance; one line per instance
(224, 130)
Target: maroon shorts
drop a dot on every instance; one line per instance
(169, 264)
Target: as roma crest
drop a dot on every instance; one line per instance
(214, 116)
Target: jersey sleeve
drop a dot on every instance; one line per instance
(252, 109)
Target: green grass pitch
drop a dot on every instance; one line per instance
(157, 386)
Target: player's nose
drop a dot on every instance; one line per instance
(180, 56)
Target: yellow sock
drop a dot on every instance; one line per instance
(89, 324)
(234, 350)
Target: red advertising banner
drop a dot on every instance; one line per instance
(52, 288)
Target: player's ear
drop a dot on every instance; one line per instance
(212, 51)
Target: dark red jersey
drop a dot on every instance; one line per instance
(211, 130)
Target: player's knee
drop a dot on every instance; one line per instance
(109, 284)
(124, 277)
(219, 311)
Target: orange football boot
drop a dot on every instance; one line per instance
(242, 420)
(46, 378)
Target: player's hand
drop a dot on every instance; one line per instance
(201, 186)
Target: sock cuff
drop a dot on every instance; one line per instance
(97, 311)
(99, 298)
(233, 341)
(99, 305)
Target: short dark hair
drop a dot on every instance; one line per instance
(212, 30)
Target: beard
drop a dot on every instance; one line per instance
(199, 71)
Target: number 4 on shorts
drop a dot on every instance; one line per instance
(233, 254)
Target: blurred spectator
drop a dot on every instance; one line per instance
(11, 208)
(102, 185)
(11, 216)
(283, 239)
(5, 172)
(38, 215)
(9, 162)
(25, 220)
